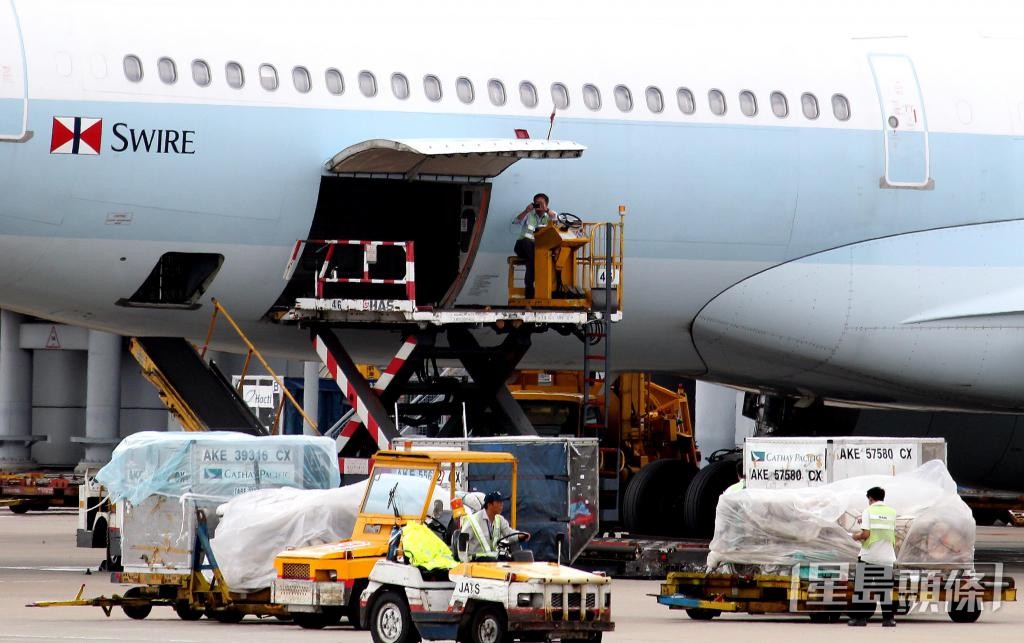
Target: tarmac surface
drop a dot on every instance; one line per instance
(39, 561)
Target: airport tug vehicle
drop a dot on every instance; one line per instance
(491, 601)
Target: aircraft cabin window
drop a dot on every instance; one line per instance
(780, 106)
(400, 86)
(301, 79)
(655, 101)
(528, 94)
(592, 97)
(268, 77)
(133, 68)
(685, 99)
(716, 100)
(809, 103)
(167, 71)
(748, 103)
(367, 84)
(496, 92)
(335, 81)
(560, 95)
(840, 107)
(464, 89)
(623, 98)
(432, 87)
(235, 75)
(201, 73)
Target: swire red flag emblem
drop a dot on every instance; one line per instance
(76, 135)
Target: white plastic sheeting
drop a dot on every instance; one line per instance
(779, 528)
(257, 526)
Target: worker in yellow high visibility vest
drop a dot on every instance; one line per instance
(485, 528)
(874, 578)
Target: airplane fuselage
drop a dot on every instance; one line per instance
(859, 243)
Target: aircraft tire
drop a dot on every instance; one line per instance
(654, 499)
(702, 497)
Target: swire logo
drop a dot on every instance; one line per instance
(76, 135)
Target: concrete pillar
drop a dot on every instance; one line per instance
(311, 396)
(15, 396)
(102, 399)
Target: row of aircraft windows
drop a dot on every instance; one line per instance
(528, 95)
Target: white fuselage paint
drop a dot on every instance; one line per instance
(714, 200)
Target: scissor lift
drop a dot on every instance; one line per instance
(579, 276)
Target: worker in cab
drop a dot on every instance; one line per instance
(485, 528)
(874, 580)
(534, 216)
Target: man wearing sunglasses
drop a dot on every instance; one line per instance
(534, 217)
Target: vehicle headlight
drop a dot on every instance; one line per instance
(332, 575)
(530, 600)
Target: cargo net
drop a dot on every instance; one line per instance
(773, 530)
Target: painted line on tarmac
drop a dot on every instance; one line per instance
(58, 637)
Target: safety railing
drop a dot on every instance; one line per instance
(603, 252)
(220, 310)
(328, 273)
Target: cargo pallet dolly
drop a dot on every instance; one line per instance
(200, 592)
(707, 595)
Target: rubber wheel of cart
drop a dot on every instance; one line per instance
(19, 508)
(137, 612)
(186, 612)
(489, 626)
(654, 500)
(310, 620)
(352, 610)
(702, 497)
(227, 615)
(390, 620)
(964, 613)
(699, 614)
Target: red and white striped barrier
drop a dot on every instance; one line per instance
(347, 388)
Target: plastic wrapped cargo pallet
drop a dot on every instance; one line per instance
(775, 529)
(161, 476)
(256, 526)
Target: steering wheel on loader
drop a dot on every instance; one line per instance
(568, 221)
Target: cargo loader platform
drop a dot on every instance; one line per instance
(341, 284)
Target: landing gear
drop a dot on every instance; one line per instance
(655, 498)
(702, 496)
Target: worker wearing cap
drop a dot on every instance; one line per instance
(874, 579)
(485, 528)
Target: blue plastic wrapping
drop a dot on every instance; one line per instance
(161, 478)
(216, 465)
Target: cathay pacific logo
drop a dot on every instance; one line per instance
(757, 456)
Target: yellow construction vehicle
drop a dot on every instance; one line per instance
(648, 452)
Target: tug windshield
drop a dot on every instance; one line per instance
(401, 490)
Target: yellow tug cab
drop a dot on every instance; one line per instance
(322, 583)
(571, 261)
